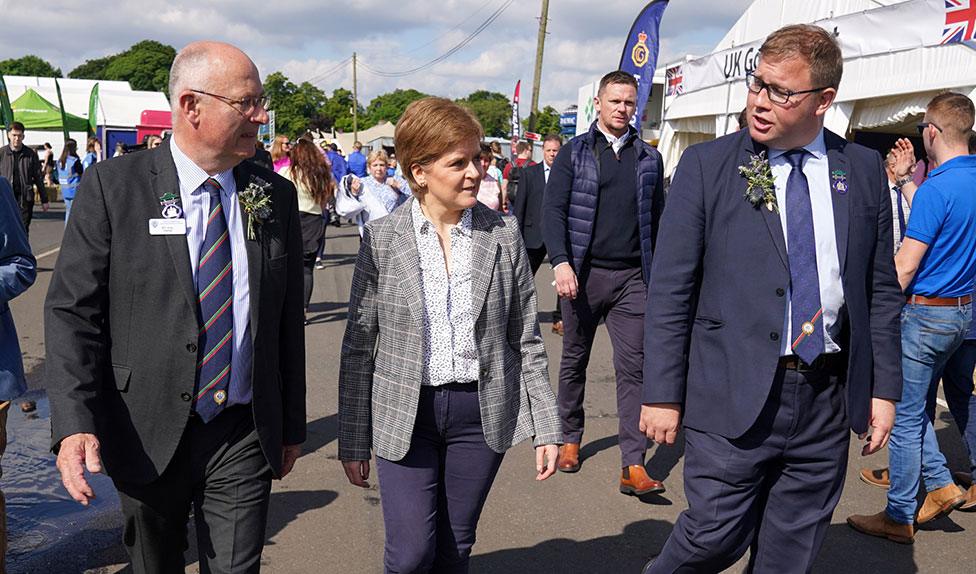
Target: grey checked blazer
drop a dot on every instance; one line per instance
(382, 351)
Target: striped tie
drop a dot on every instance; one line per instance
(215, 289)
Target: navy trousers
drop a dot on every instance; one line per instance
(618, 298)
(432, 498)
(772, 490)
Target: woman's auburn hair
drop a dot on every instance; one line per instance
(429, 128)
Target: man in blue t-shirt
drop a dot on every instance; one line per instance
(356, 162)
(937, 269)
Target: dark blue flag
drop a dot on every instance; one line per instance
(640, 53)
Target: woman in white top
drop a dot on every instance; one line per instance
(373, 196)
(313, 181)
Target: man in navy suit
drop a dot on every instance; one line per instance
(772, 319)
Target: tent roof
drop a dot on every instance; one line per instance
(120, 105)
(36, 113)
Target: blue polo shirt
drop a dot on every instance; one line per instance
(944, 218)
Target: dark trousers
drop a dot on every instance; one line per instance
(536, 257)
(772, 490)
(957, 381)
(308, 274)
(220, 469)
(432, 498)
(617, 297)
(27, 214)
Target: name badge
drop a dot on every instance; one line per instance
(167, 226)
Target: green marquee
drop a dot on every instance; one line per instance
(36, 113)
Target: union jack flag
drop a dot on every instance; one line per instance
(960, 21)
(675, 81)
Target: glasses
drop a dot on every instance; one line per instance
(244, 106)
(776, 95)
(923, 125)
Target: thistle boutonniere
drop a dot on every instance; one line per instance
(256, 202)
(762, 187)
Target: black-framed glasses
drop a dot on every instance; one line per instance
(923, 125)
(776, 95)
(244, 106)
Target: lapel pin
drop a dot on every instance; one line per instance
(171, 209)
(839, 179)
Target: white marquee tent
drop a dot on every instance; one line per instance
(894, 63)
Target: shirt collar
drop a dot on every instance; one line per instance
(193, 177)
(612, 139)
(962, 161)
(422, 225)
(817, 148)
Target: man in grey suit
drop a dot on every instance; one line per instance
(174, 327)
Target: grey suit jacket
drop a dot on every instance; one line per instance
(382, 351)
(121, 324)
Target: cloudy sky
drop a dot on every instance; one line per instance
(310, 40)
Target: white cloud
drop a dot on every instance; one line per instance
(307, 38)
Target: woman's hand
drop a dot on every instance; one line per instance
(357, 471)
(393, 182)
(355, 186)
(545, 460)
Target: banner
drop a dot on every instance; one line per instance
(640, 53)
(93, 111)
(516, 125)
(585, 110)
(907, 25)
(6, 113)
(64, 118)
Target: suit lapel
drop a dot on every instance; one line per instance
(165, 181)
(771, 218)
(838, 165)
(484, 248)
(253, 248)
(406, 260)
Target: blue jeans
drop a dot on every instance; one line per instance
(67, 210)
(957, 380)
(929, 337)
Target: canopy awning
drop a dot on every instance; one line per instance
(37, 114)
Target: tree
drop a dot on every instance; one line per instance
(492, 109)
(297, 107)
(29, 65)
(547, 122)
(145, 66)
(389, 107)
(339, 108)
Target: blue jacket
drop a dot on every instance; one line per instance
(17, 272)
(356, 162)
(717, 298)
(69, 176)
(569, 211)
(338, 165)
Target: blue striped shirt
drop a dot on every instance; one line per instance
(196, 206)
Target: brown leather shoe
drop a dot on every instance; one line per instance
(634, 481)
(876, 477)
(557, 328)
(940, 502)
(970, 504)
(880, 525)
(569, 457)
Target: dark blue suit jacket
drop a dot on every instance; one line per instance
(717, 296)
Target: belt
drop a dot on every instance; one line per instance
(940, 301)
(832, 362)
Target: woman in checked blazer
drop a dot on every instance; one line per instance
(443, 366)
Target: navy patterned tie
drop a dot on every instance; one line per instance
(807, 312)
(215, 291)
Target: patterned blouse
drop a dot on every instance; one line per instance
(450, 353)
(389, 197)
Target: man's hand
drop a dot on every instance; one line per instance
(566, 285)
(545, 460)
(289, 454)
(902, 158)
(882, 419)
(45, 206)
(357, 471)
(78, 452)
(659, 421)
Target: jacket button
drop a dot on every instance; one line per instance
(186, 397)
(191, 347)
(774, 336)
(780, 292)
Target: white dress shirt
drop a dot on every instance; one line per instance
(450, 352)
(616, 143)
(896, 197)
(196, 206)
(546, 168)
(817, 171)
